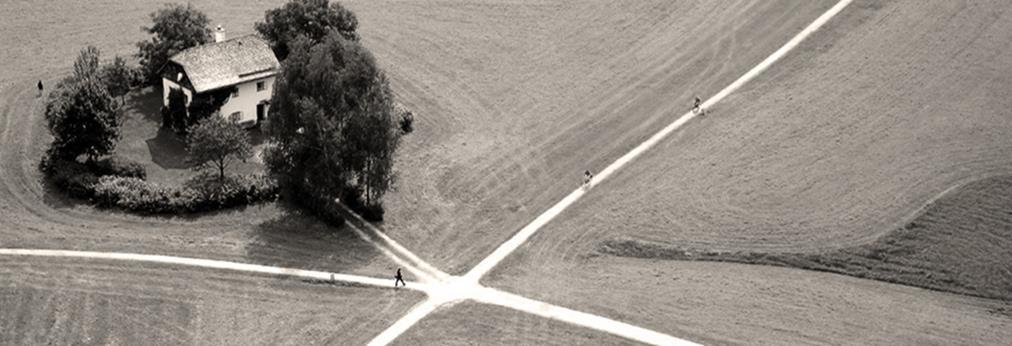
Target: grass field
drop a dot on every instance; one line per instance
(726, 303)
(843, 141)
(478, 324)
(839, 143)
(962, 243)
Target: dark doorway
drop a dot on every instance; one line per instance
(261, 113)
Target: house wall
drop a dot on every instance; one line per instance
(246, 102)
(168, 85)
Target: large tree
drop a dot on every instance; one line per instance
(82, 117)
(215, 143)
(313, 19)
(332, 123)
(175, 28)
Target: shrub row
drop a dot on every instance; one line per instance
(203, 193)
(120, 183)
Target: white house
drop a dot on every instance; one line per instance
(245, 63)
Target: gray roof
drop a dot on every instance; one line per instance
(226, 63)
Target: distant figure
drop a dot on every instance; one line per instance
(40, 87)
(399, 278)
(587, 177)
(696, 105)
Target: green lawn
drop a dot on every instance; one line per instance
(162, 152)
(962, 243)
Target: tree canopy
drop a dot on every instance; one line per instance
(333, 121)
(215, 143)
(174, 28)
(82, 117)
(313, 19)
(118, 77)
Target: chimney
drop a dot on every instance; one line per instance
(219, 34)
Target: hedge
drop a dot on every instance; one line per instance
(203, 193)
(116, 182)
(118, 166)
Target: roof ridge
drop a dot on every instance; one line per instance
(228, 62)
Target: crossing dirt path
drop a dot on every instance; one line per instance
(515, 101)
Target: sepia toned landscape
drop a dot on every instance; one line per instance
(845, 181)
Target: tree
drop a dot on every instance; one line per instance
(174, 114)
(215, 143)
(176, 27)
(205, 104)
(333, 125)
(86, 65)
(310, 18)
(82, 117)
(118, 78)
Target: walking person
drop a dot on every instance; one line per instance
(587, 177)
(696, 105)
(399, 278)
(40, 87)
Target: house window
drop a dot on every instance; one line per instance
(261, 86)
(235, 92)
(235, 117)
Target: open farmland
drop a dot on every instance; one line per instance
(841, 142)
(515, 101)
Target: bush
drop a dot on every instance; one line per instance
(70, 176)
(118, 166)
(324, 208)
(407, 122)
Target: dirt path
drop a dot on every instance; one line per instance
(206, 263)
(90, 301)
